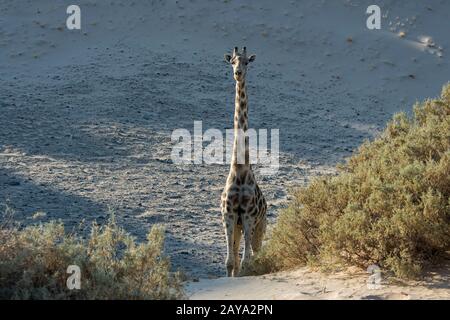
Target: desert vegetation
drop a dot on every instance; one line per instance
(34, 261)
(388, 205)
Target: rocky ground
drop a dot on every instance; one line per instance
(87, 116)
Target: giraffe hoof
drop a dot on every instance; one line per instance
(229, 271)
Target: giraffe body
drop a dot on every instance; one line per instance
(242, 204)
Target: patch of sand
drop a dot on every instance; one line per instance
(306, 284)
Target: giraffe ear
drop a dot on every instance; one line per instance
(227, 58)
(251, 58)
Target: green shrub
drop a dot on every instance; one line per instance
(389, 204)
(34, 261)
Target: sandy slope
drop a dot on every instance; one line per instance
(86, 116)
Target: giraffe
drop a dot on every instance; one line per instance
(242, 203)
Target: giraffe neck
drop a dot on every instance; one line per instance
(240, 127)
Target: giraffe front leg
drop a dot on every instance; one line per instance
(237, 240)
(229, 222)
(249, 230)
(258, 236)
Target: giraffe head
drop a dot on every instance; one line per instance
(239, 62)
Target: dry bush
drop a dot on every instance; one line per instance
(34, 261)
(389, 204)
